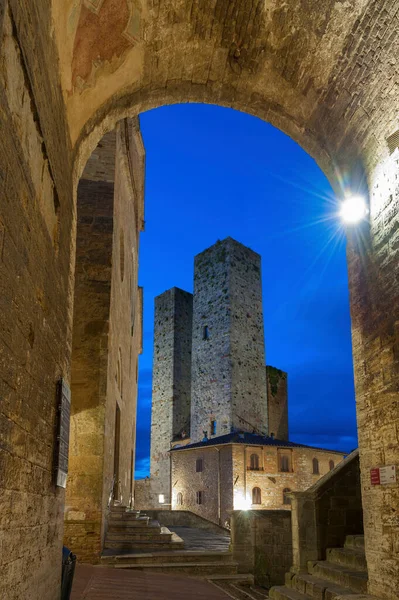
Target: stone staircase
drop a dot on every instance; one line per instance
(134, 541)
(128, 531)
(344, 573)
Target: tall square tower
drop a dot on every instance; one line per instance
(228, 379)
(171, 386)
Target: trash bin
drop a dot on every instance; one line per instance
(68, 570)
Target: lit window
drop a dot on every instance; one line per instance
(205, 332)
(254, 462)
(199, 465)
(315, 463)
(213, 427)
(179, 499)
(161, 498)
(286, 498)
(256, 496)
(200, 498)
(331, 465)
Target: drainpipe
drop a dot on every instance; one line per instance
(219, 486)
(245, 473)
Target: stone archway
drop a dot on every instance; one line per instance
(325, 75)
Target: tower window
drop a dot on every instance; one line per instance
(256, 496)
(331, 465)
(286, 499)
(213, 427)
(205, 332)
(179, 499)
(200, 498)
(199, 465)
(315, 464)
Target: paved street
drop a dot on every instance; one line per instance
(102, 583)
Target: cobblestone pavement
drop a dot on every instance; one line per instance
(102, 583)
(199, 539)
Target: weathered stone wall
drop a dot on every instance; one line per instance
(326, 513)
(106, 342)
(237, 480)
(35, 253)
(228, 373)
(269, 479)
(261, 544)
(214, 481)
(277, 402)
(171, 391)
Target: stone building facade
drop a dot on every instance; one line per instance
(244, 471)
(209, 375)
(107, 338)
(228, 379)
(328, 78)
(171, 385)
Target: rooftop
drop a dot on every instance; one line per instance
(254, 439)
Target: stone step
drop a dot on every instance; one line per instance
(354, 580)
(188, 556)
(354, 541)
(312, 586)
(280, 592)
(127, 516)
(133, 536)
(236, 591)
(349, 557)
(248, 592)
(199, 569)
(132, 526)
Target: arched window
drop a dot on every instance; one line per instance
(199, 465)
(254, 462)
(256, 496)
(315, 463)
(179, 499)
(286, 499)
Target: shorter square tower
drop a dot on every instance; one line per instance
(171, 386)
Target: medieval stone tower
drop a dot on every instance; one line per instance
(209, 374)
(228, 379)
(171, 381)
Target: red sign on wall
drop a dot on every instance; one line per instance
(375, 476)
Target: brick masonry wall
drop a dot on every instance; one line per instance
(277, 402)
(228, 374)
(171, 383)
(261, 544)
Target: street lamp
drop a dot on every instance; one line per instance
(353, 210)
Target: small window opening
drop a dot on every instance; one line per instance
(285, 463)
(179, 499)
(213, 427)
(315, 463)
(331, 465)
(256, 496)
(199, 465)
(200, 498)
(205, 332)
(286, 498)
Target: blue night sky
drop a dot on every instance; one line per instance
(213, 172)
